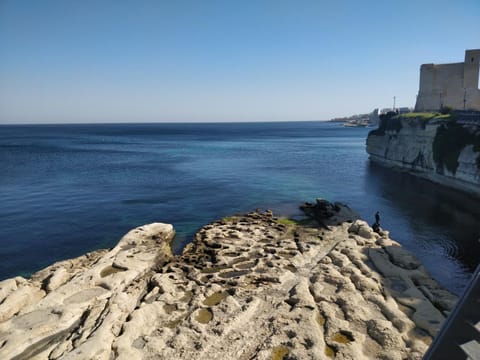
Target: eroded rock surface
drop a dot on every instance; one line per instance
(247, 287)
(76, 308)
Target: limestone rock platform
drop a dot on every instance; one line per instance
(250, 286)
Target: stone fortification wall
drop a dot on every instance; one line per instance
(453, 85)
(443, 151)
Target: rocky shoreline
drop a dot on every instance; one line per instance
(248, 287)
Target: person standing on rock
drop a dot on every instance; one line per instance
(376, 225)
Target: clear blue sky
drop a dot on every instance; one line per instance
(204, 60)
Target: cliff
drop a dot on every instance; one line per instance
(248, 287)
(441, 148)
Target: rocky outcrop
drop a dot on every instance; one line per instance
(75, 309)
(248, 287)
(442, 150)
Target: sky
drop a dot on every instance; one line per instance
(65, 61)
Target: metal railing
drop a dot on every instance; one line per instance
(459, 337)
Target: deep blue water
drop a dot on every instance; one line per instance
(69, 189)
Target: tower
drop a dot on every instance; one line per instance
(471, 69)
(454, 85)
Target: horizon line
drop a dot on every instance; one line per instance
(157, 122)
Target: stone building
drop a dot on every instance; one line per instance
(454, 85)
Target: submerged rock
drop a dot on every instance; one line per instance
(250, 286)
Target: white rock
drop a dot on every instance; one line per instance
(266, 292)
(19, 299)
(59, 277)
(6, 288)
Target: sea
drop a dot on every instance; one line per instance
(69, 189)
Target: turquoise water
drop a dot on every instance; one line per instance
(69, 189)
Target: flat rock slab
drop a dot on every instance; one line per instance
(247, 287)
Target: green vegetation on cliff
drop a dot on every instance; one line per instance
(425, 116)
(392, 121)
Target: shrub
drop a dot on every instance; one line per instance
(388, 121)
(446, 110)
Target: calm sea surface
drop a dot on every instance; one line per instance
(69, 189)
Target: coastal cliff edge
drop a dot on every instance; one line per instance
(441, 148)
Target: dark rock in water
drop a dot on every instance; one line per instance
(321, 210)
(326, 213)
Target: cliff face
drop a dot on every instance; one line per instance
(247, 287)
(442, 150)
